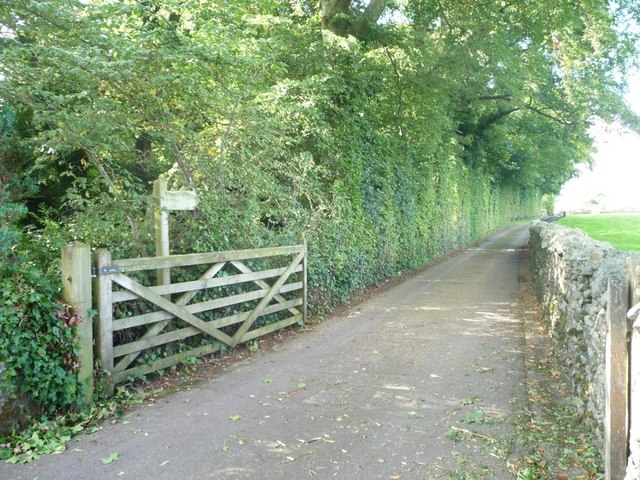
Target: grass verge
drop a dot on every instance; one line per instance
(620, 230)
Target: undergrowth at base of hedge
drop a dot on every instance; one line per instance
(51, 436)
(37, 340)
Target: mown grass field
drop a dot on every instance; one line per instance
(622, 230)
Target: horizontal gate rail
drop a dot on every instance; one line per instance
(191, 331)
(161, 364)
(124, 296)
(150, 263)
(149, 318)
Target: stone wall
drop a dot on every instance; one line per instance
(571, 273)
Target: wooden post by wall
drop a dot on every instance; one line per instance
(633, 280)
(616, 382)
(303, 276)
(76, 282)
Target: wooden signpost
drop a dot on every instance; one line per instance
(166, 201)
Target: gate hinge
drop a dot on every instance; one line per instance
(106, 270)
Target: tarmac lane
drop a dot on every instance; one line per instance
(421, 381)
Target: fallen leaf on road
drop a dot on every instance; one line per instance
(235, 418)
(110, 459)
(474, 417)
(309, 441)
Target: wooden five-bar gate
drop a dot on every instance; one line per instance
(217, 300)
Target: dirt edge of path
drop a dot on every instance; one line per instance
(552, 440)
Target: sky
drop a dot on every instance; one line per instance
(614, 181)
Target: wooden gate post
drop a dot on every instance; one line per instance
(103, 289)
(76, 282)
(303, 276)
(633, 282)
(616, 382)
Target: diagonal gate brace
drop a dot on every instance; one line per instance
(242, 268)
(252, 316)
(158, 327)
(170, 307)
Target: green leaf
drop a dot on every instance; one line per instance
(235, 418)
(110, 459)
(474, 417)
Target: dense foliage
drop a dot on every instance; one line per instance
(388, 132)
(37, 339)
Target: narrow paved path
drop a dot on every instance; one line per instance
(387, 391)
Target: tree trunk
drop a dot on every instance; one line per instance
(345, 25)
(331, 8)
(375, 9)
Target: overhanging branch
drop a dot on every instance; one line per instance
(559, 120)
(506, 97)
